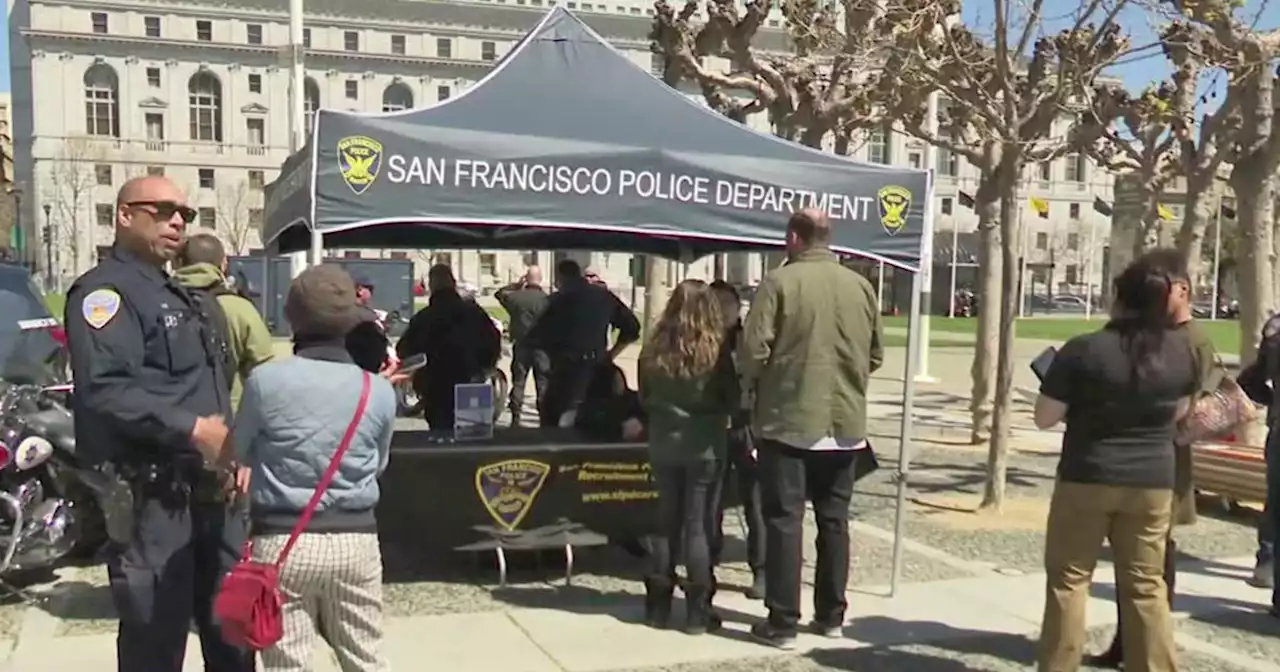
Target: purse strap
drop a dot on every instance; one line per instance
(327, 478)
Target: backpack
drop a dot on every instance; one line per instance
(211, 309)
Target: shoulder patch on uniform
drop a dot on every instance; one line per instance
(99, 307)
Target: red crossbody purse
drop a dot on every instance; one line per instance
(248, 605)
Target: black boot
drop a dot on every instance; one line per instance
(756, 590)
(701, 618)
(657, 603)
(1111, 659)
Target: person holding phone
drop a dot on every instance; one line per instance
(1121, 392)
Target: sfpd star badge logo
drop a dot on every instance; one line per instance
(895, 202)
(359, 159)
(507, 489)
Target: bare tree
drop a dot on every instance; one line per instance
(234, 225)
(1017, 102)
(71, 186)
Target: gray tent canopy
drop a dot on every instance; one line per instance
(567, 144)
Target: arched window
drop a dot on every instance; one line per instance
(101, 101)
(396, 97)
(310, 102)
(205, 95)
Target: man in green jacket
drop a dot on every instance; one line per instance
(202, 267)
(810, 343)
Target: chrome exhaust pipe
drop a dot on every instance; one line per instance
(14, 505)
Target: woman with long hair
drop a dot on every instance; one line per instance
(688, 388)
(1121, 391)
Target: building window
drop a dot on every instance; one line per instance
(153, 77)
(1073, 274)
(397, 97)
(1073, 241)
(155, 171)
(397, 44)
(948, 166)
(946, 206)
(102, 174)
(1075, 167)
(353, 89)
(1073, 211)
(915, 159)
(310, 101)
(488, 51)
(1042, 241)
(443, 93)
(253, 33)
(206, 178)
(207, 217)
(105, 213)
(351, 40)
(256, 217)
(204, 31)
(255, 129)
(255, 83)
(878, 147)
(101, 101)
(1046, 171)
(444, 47)
(306, 37)
(155, 130)
(257, 180)
(152, 24)
(99, 20)
(205, 96)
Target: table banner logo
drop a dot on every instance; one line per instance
(359, 159)
(895, 202)
(508, 488)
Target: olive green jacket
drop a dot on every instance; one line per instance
(810, 343)
(688, 417)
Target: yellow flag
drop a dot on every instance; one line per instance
(1040, 206)
(1165, 213)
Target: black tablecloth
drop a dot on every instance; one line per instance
(436, 490)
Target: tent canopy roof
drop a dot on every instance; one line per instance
(567, 144)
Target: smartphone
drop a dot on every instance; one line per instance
(1040, 365)
(412, 363)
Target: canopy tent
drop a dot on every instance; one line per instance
(568, 144)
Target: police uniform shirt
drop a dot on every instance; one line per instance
(141, 360)
(578, 319)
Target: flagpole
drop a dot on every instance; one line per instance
(926, 260)
(1022, 263)
(880, 287)
(1217, 255)
(955, 243)
(1088, 272)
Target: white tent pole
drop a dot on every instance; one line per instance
(926, 245)
(298, 118)
(915, 343)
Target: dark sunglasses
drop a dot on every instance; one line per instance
(165, 210)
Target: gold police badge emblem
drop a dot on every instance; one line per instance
(895, 203)
(507, 489)
(359, 159)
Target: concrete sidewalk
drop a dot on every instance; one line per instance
(607, 636)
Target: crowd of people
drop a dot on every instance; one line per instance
(222, 448)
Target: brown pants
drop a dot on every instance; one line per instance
(1136, 521)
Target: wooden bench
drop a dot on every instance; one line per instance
(1234, 472)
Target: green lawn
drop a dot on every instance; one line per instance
(57, 304)
(1224, 333)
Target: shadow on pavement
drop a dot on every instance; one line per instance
(885, 635)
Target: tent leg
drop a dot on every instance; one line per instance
(317, 248)
(914, 343)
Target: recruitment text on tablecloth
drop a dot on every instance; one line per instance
(584, 181)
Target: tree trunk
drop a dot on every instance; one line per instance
(1196, 216)
(989, 307)
(998, 453)
(1255, 254)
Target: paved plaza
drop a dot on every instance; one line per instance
(971, 596)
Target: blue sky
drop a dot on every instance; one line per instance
(1137, 70)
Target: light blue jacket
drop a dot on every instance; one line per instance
(291, 420)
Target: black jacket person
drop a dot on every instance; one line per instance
(459, 340)
(524, 301)
(574, 332)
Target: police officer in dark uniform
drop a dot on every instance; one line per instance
(1259, 380)
(524, 301)
(574, 332)
(149, 393)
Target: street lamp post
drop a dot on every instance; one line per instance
(48, 247)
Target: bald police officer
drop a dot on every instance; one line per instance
(149, 392)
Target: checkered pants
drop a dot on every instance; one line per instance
(332, 588)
